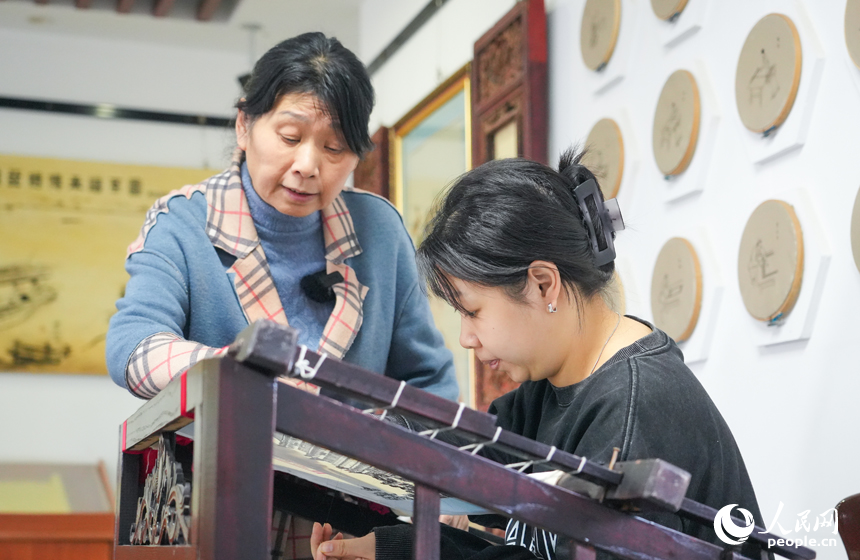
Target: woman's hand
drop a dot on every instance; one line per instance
(323, 546)
(456, 521)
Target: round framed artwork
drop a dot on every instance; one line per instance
(604, 156)
(676, 289)
(601, 21)
(855, 231)
(770, 261)
(668, 9)
(676, 123)
(768, 73)
(852, 30)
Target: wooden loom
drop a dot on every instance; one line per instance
(236, 405)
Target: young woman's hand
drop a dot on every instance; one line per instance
(456, 521)
(323, 546)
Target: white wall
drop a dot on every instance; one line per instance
(441, 47)
(75, 418)
(77, 69)
(792, 407)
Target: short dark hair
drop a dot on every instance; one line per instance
(322, 66)
(497, 219)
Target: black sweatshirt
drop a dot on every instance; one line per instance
(646, 402)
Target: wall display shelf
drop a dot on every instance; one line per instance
(852, 40)
(852, 30)
(771, 262)
(768, 73)
(855, 231)
(695, 177)
(598, 34)
(604, 155)
(790, 133)
(668, 10)
(635, 300)
(596, 27)
(676, 289)
(676, 123)
(696, 347)
(688, 22)
(632, 161)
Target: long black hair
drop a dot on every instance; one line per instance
(322, 66)
(497, 219)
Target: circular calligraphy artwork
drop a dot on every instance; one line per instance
(604, 156)
(770, 261)
(676, 123)
(852, 30)
(667, 9)
(768, 73)
(676, 289)
(601, 20)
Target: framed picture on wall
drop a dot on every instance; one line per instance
(65, 226)
(432, 147)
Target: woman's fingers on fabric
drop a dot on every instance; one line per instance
(363, 548)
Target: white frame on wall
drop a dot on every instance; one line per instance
(697, 347)
(599, 82)
(693, 179)
(791, 134)
(799, 322)
(689, 22)
(636, 302)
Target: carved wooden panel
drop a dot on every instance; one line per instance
(509, 84)
(499, 64)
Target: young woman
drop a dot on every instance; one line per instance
(524, 260)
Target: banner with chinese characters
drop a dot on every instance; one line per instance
(64, 229)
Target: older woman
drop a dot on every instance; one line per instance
(212, 258)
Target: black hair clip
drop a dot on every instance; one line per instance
(602, 219)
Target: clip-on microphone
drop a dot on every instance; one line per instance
(317, 286)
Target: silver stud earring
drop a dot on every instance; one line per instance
(551, 308)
